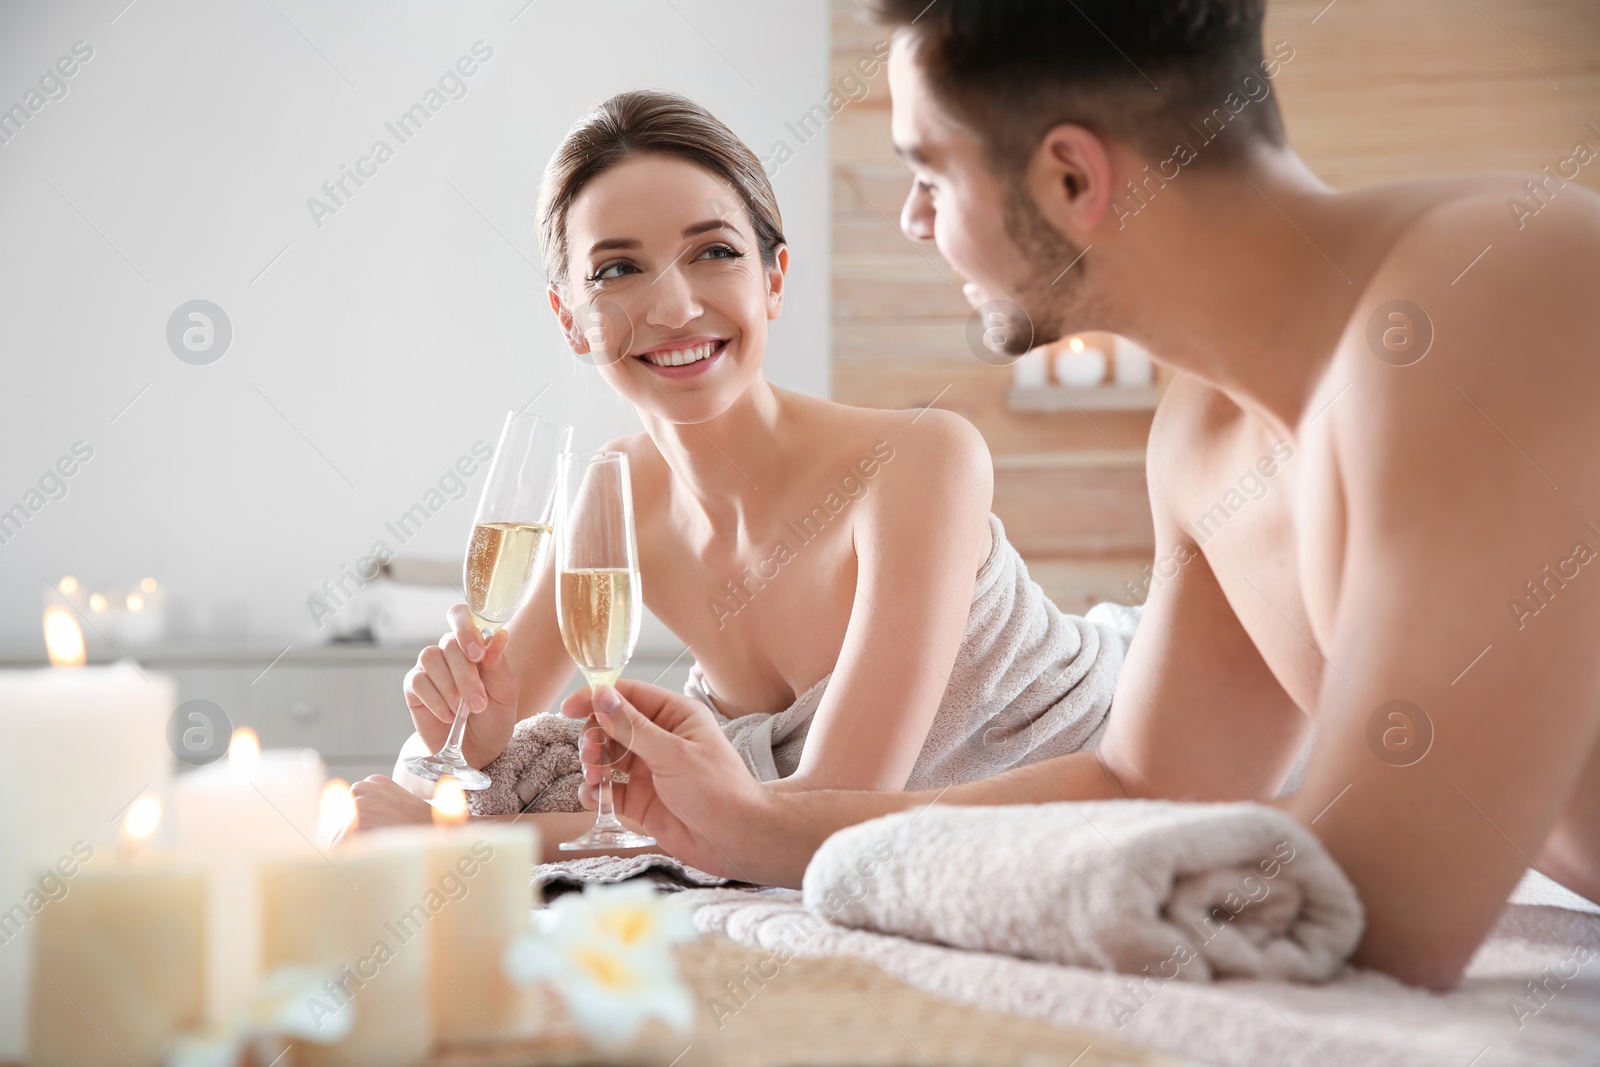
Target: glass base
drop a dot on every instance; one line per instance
(433, 768)
(602, 838)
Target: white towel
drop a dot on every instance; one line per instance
(1029, 682)
(1171, 890)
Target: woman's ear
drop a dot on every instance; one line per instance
(1070, 179)
(775, 279)
(575, 339)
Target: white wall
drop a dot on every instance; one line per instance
(372, 354)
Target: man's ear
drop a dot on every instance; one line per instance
(1070, 178)
(578, 342)
(776, 275)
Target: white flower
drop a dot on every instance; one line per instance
(609, 954)
(632, 913)
(293, 1002)
(283, 1007)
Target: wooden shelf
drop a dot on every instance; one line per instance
(1099, 398)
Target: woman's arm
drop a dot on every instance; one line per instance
(920, 539)
(381, 802)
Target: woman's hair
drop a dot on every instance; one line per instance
(640, 122)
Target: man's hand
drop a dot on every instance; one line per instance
(463, 670)
(382, 802)
(686, 785)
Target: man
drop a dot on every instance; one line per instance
(1408, 370)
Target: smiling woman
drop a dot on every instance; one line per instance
(905, 642)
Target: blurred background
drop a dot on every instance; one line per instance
(361, 341)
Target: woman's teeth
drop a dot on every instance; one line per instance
(682, 356)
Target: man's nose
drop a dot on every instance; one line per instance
(916, 216)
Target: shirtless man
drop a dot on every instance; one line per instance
(1410, 372)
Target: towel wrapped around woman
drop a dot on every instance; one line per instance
(1029, 682)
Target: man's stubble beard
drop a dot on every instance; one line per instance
(1046, 255)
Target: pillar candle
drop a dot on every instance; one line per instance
(230, 816)
(81, 743)
(119, 964)
(478, 897)
(345, 909)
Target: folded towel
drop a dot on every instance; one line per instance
(1174, 890)
(1029, 682)
(539, 769)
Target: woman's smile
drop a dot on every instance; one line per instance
(686, 357)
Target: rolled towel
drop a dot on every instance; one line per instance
(538, 770)
(1175, 890)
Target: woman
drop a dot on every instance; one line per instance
(836, 564)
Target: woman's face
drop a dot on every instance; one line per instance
(668, 294)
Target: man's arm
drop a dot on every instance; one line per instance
(1197, 715)
(1469, 597)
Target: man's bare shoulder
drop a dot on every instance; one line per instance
(1473, 336)
(1192, 425)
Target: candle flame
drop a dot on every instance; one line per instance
(97, 603)
(244, 752)
(336, 813)
(148, 585)
(63, 639)
(135, 603)
(449, 803)
(1076, 344)
(68, 585)
(142, 820)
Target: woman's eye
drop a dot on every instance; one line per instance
(721, 252)
(612, 271)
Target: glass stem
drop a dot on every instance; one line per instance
(451, 751)
(605, 816)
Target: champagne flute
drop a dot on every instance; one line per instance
(510, 537)
(597, 600)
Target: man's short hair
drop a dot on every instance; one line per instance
(1145, 72)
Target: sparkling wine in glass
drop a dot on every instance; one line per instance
(597, 602)
(510, 539)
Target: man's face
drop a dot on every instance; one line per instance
(986, 226)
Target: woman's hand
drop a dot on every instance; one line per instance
(461, 668)
(382, 802)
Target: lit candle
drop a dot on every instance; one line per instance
(1080, 366)
(1031, 370)
(1133, 364)
(480, 896)
(119, 958)
(230, 816)
(83, 742)
(336, 812)
(350, 910)
(63, 639)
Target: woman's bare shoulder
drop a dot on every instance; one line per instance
(928, 469)
(644, 458)
(930, 439)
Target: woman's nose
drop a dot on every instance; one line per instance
(672, 300)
